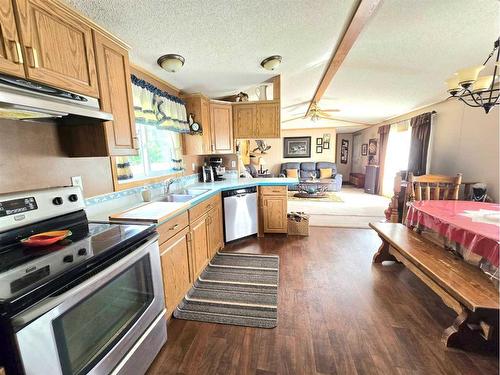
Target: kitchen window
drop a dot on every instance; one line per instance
(159, 152)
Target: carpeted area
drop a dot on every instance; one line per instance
(238, 289)
(330, 197)
(356, 210)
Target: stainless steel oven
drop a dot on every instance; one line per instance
(113, 322)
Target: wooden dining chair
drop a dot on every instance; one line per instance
(431, 187)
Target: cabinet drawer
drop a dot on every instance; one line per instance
(172, 227)
(204, 207)
(273, 190)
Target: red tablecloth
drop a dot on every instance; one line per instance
(470, 224)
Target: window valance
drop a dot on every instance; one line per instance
(155, 107)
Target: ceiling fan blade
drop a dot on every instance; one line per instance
(296, 105)
(293, 118)
(330, 110)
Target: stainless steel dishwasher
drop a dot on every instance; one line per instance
(240, 213)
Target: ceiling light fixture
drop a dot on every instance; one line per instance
(271, 62)
(171, 63)
(476, 91)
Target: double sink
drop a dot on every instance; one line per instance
(182, 195)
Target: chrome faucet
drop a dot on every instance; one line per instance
(166, 185)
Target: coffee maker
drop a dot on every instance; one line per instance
(217, 167)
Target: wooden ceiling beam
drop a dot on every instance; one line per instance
(363, 13)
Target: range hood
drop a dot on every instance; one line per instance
(26, 100)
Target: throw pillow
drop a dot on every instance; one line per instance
(292, 173)
(325, 173)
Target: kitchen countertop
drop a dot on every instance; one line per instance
(212, 187)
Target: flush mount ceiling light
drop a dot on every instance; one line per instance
(271, 62)
(171, 62)
(476, 91)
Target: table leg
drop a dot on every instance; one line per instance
(383, 253)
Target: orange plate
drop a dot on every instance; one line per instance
(46, 238)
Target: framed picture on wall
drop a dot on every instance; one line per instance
(326, 138)
(297, 147)
(372, 147)
(364, 149)
(326, 145)
(344, 151)
(319, 141)
(319, 149)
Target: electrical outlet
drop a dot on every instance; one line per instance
(193, 167)
(233, 163)
(77, 181)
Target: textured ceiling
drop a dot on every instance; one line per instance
(398, 63)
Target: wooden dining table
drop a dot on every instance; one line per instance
(473, 226)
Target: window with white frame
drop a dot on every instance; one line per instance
(158, 152)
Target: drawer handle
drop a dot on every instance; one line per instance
(174, 227)
(18, 59)
(34, 57)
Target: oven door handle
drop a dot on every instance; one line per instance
(82, 290)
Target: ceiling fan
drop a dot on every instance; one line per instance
(315, 113)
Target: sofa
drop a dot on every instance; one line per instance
(307, 168)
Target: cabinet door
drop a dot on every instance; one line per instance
(11, 59)
(208, 147)
(199, 245)
(268, 120)
(244, 120)
(274, 209)
(215, 231)
(113, 70)
(221, 126)
(174, 257)
(58, 46)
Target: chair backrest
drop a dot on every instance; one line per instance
(433, 187)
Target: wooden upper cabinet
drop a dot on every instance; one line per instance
(207, 130)
(268, 120)
(257, 119)
(57, 45)
(11, 58)
(198, 106)
(221, 126)
(244, 120)
(113, 71)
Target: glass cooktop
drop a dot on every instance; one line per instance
(24, 269)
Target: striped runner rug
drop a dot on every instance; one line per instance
(238, 289)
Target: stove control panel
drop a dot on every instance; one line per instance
(16, 206)
(18, 209)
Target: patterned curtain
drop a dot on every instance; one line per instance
(153, 106)
(123, 171)
(419, 147)
(383, 133)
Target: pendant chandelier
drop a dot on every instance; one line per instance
(476, 91)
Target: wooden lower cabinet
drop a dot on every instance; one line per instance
(199, 245)
(174, 256)
(274, 209)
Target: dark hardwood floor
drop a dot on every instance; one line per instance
(338, 314)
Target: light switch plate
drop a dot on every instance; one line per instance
(193, 167)
(233, 163)
(77, 181)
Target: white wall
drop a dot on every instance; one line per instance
(359, 162)
(274, 157)
(464, 140)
